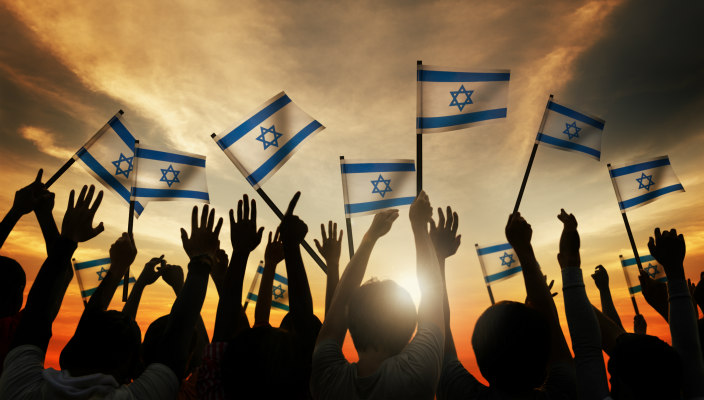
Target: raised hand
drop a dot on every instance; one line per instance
(669, 249)
(27, 198)
(601, 278)
(655, 293)
(122, 253)
(550, 285)
(150, 274)
(292, 229)
(243, 232)
(420, 212)
(274, 252)
(640, 327)
(518, 231)
(173, 276)
(78, 220)
(44, 202)
(381, 225)
(444, 235)
(332, 244)
(569, 241)
(204, 236)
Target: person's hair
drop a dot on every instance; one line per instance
(105, 341)
(511, 342)
(382, 316)
(632, 363)
(11, 286)
(153, 338)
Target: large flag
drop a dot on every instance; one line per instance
(643, 182)
(109, 157)
(279, 291)
(90, 273)
(650, 266)
(457, 98)
(567, 129)
(168, 175)
(370, 186)
(498, 262)
(267, 138)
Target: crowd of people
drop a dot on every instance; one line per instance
(405, 352)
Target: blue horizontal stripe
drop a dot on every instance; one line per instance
(170, 157)
(108, 179)
(461, 119)
(649, 196)
(280, 154)
(451, 76)
(575, 115)
(568, 145)
(502, 274)
(493, 249)
(377, 167)
(634, 289)
(89, 292)
(91, 264)
(173, 193)
(254, 297)
(377, 205)
(122, 132)
(639, 167)
(237, 133)
(632, 261)
(277, 277)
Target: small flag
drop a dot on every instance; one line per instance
(169, 175)
(566, 129)
(498, 262)
(644, 182)
(279, 291)
(650, 266)
(267, 138)
(90, 273)
(370, 186)
(109, 157)
(453, 98)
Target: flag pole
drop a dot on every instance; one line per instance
(419, 135)
(625, 222)
(350, 241)
(488, 286)
(64, 167)
(628, 282)
(130, 225)
(532, 157)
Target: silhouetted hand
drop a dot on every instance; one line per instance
(204, 237)
(332, 244)
(44, 202)
(173, 276)
(292, 229)
(444, 235)
(518, 231)
(420, 212)
(668, 249)
(550, 285)
(77, 225)
(698, 294)
(27, 198)
(640, 327)
(149, 274)
(381, 224)
(274, 252)
(243, 232)
(655, 293)
(122, 254)
(569, 241)
(601, 278)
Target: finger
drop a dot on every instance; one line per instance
(89, 195)
(441, 218)
(455, 223)
(269, 241)
(211, 220)
(292, 204)
(81, 196)
(322, 232)
(38, 179)
(331, 232)
(204, 216)
(651, 245)
(71, 198)
(218, 227)
(184, 236)
(339, 240)
(317, 244)
(334, 231)
(260, 232)
(97, 230)
(277, 235)
(253, 212)
(657, 234)
(245, 205)
(239, 211)
(433, 227)
(194, 218)
(232, 218)
(96, 203)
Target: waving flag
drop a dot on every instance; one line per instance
(370, 186)
(566, 129)
(90, 273)
(650, 266)
(109, 157)
(169, 175)
(267, 138)
(279, 291)
(644, 182)
(457, 98)
(498, 262)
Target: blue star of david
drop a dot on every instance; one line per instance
(118, 165)
(267, 143)
(101, 273)
(467, 97)
(278, 292)
(507, 259)
(568, 130)
(652, 270)
(383, 191)
(173, 172)
(643, 177)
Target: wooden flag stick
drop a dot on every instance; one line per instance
(419, 137)
(488, 286)
(350, 241)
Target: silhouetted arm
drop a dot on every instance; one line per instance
(601, 279)
(24, 203)
(147, 277)
(330, 249)
(273, 255)
(293, 230)
(122, 254)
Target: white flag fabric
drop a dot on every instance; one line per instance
(456, 98)
(643, 182)
(90, 273)
(279, 291)
(169, 175)
(267, 138)
(498, 262)
(650, 266)
(567, 129)
(370, 186)
(109, 157)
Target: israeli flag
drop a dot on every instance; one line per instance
(279, 291)
(370, 186)
(169, 175)
(267, 138)
(643, 182)
(109, 157)
(498, 262)
(566, 129)
(89, 274)
(650, 266)
(453, 98)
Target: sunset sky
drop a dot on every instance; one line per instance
(182, 70)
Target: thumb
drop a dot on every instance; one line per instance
(184, 236)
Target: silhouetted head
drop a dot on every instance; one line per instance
(381, 316)
(106, 342)
(511, 342)
(11, 287)
(154, 337)
(644, 367)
